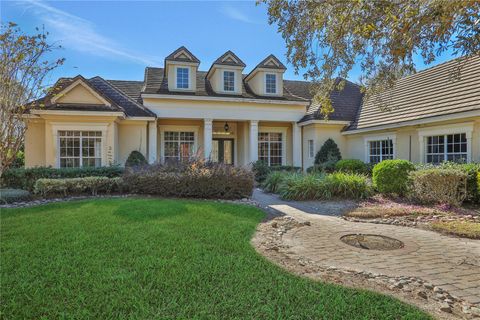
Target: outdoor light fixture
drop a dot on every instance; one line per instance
(226, 127)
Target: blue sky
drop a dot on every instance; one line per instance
(118, 39)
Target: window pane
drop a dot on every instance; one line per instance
(270, 83)
(228, 81)
(182, 78)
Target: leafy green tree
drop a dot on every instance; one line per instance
(329, 152)
(328, 37)
(23, 69)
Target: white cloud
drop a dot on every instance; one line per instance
(79, 34)
(236, 14)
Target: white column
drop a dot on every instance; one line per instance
(253, 146)
(296, 145)
(152, 142)
(468, 135)
(207, 137)
(421, 144)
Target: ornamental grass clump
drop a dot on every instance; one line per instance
(439, 186)
(273, 181)
(298, 186)
(191, 179)
(346, 185)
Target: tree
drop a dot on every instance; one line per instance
(328, 152)
(23, 69)
(328, 37)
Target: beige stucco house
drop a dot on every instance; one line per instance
(228, 116)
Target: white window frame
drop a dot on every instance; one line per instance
(276, 83)
(80, 147)
(281, 130)
(383, 137)
(189, 77)
(169, 128)
(223, 80)
(423, 134)
(311, 148)
(72, 126)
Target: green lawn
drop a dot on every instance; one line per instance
(148, 258)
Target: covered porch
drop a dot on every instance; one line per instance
(229, 141)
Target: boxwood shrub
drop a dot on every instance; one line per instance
(351, 166)
(442, 186)
(21, 178)
(392, 176)
(196, 179)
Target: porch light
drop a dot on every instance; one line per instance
(226, 127)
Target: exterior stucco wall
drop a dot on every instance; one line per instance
(44, 137)
(319, 133)
(216, 80)
(408, 140)
(132, 136)
(257, 82)
(79, 94)
(35, 144)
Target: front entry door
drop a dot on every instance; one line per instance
(222, 151)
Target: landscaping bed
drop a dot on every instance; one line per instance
(150, 258)
(461, 222)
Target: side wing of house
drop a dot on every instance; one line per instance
(84, 123)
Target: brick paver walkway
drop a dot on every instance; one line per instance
(450, 263)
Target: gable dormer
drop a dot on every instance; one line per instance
(266, 79)
(181, 70)
(79, 91)
(225, 74)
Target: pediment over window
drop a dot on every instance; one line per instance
(79, 91)
(229, 58)
(182, 54)
(271, 62)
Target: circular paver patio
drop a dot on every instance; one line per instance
(450, 263)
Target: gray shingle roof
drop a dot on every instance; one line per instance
(345, 103)
(124, 96)
(429, 93)
(157, 83)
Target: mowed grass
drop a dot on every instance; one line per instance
(159, 259)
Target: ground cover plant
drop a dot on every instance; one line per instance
(150, 258)
(465, 229)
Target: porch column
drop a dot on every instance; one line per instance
(207, 137)
(253, 140)
(296, 145)
(152, 142)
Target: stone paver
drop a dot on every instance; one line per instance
(450, 263)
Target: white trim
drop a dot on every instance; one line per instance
(78, 113)
(83, 84)
(175, 128)
(265, 84)
(283, 131)
(346, 123)
(189, 78)
(456, 128)
(379, 137)
(140, 118)
(228, 99)
(75, 126)
(446, 117)
(223, 81)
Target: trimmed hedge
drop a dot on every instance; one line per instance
(78, 186)
(21, 178)
(471, 169)
(194, 179)
(443, 186)
(13, 195)
(391, 176)
(351, 166)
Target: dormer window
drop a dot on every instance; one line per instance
(228, 81)
(182, 78)
(270, 83)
